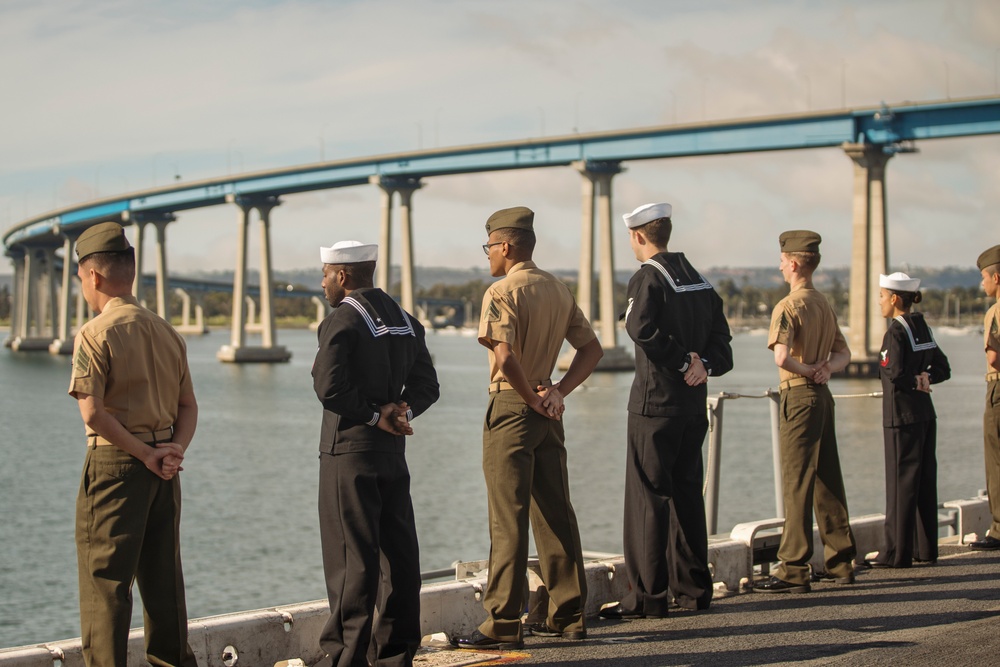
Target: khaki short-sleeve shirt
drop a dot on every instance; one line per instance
(135, 362)
(805, 322)
(991, 332)
(533, 312)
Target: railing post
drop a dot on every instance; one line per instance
(714, 404)
(779, 497)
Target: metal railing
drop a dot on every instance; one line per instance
(715, 405)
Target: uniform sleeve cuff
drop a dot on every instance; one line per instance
(374, 419)
(686, 365)
(409, 415)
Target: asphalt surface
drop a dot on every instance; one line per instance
(945, 614)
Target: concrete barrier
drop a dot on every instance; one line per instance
(262, 637)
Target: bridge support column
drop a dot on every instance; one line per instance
(160, 221)
(35, 300)
(63, 343)
(199, 322)
(238, 351)
(869, 257)
(405, 187)
(162, 303)
(139, 222)
(322, 310)
(17, 258)
(597, 194)
(266, 278)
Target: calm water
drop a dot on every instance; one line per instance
(250, 535)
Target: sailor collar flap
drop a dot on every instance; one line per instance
(915, 344)
(678, 272)
(398, 326)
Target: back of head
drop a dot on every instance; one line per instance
(801, 245)
(516, 227)
(354, 258)
(105, 248)
(903, 286)
(653, 221)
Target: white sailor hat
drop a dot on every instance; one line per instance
(899, 282)
(646, 213)
(348, 252)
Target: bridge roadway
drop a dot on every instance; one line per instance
(942, 614)
(868, 136)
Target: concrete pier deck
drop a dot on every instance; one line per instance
(942, 614)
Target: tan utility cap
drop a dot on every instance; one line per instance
(519, 217)
(989, 258)
(799, 240)
(102, 237)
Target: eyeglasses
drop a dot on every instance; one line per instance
(487, 246)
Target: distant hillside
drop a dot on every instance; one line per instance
(428, 276)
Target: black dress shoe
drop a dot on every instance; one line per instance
(775, 585)
(988, 543)
(543, 630)
(478, 640)
(617, 613)
(925, 561)
(831, 578)
(878, 564)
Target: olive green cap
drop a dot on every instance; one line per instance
(519, 217)
(102, 237)
(989, 258)
(799, 240)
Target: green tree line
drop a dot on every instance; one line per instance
(745, 304)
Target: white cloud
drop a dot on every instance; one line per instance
(111, 95)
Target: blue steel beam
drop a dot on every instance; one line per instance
(885, 126)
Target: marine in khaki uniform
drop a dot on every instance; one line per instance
(989, 267)
(808, 348)
(132, 384)
(526, 317)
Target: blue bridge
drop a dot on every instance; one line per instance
(870, 137)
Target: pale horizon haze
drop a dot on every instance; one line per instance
(111, 96)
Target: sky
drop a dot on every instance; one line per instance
(104, 97)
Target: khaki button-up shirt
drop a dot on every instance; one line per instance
(805, 322)
(140, 383)
(533, 312)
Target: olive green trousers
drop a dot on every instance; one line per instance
(811, 479)
(524, 462)
(991, 447)
(128, 529)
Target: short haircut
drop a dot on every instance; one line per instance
(657, 231)
(117, 267)
(992, 269)
(362, 274)
(807, 260)
(519, 238)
